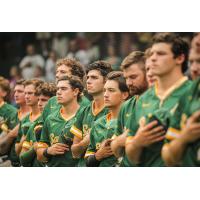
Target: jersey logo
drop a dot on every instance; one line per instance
(128, 114)
(142, 121)
(145, 105)
(53, 139)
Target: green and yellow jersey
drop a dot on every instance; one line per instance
(33, 135)
(55, 128)
(8, 114)
(84, 122)
(151, 106)
(104, 128)
(187, 105)
(53, 105)
(24, 126)
(125, 114)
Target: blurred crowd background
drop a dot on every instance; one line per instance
(28, 55)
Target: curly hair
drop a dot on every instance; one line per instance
(5, 86)
(46, 89)
(75, 66)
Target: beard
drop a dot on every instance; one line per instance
(138, 90)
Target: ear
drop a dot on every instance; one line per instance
(76, 92)
(180, 59)
(125, 95)
(3, 94)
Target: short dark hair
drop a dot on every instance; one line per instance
(75, 66)
(102, 66)
(46, 89)
(75, 82)
(119, 78)
(134, 57)
(178, 45)
(5, 86)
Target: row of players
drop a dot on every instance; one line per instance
(146, 115)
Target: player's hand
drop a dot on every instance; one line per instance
(57, 149)
(105, 150)
(191, 132)
(149, 134)
(23, 138)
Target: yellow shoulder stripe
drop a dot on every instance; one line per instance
(76, 132)
(42, 145)
(26, 145)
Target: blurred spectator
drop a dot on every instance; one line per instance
(30, 62)
(113, 59)
(44, 40)
(15, 75)
(60, 44)
(92, 51)
(50, 67)
(39, 73)
(72, 49)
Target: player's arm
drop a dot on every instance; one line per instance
(44, 152)
(145, 136)
(7, 139)
(118, 144)
(80, 145)
(172, 153)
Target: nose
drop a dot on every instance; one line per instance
(129, 82)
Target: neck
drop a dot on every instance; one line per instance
(165, 82)
(24, 108)
(115, 111)
(99, 101)
(35, 110)
(70, 109)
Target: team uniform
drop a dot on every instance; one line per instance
(53, 105)
(103, 129)
(83, 124)
(151, 107)
(55, 129)
(189, 104)
(29, 158)
(125, 113)
(9, 114)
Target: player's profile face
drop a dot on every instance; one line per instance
(162, 59)
(64, 93)
(194, 63)
(42, 101)
(19, 94)
(135, 79)
(112, 94)
(62, 70)
(95, 82)
(30, 97)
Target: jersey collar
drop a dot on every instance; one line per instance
(176, 85)
(97, 111)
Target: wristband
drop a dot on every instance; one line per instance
(91, 161)
(46, 155)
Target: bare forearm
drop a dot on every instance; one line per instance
(18, 148)
(172, 153)
(40, 156)
(133, 152)
(118, 145)
(79, 149)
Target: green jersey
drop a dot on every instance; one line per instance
(125, 114)
(8, 114)
(103, 129)
(53, 105)
(24, 126)
(33, 135)
(55, 130)
(84, 122)
(188, 104)
(150, 106)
